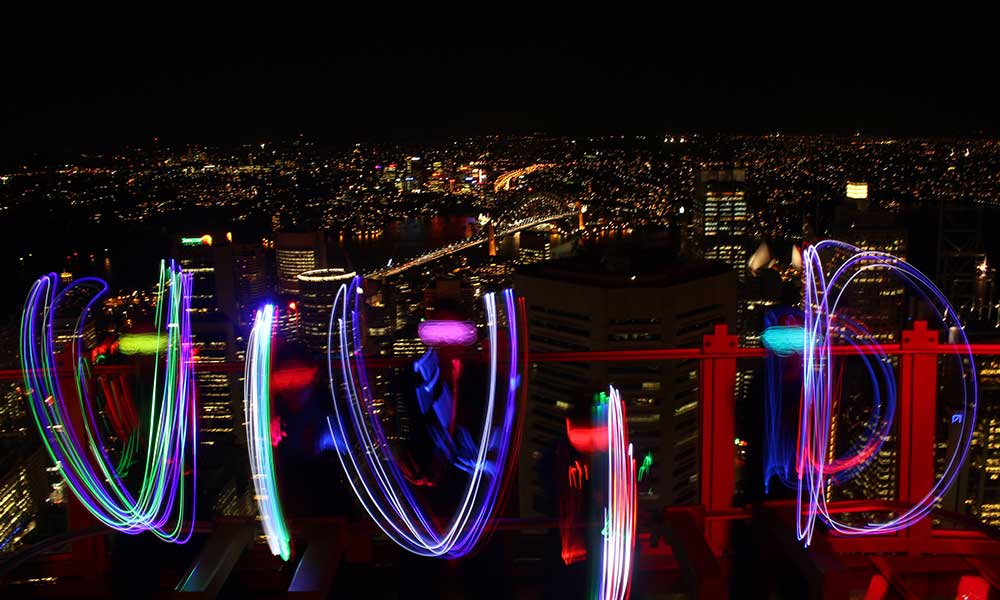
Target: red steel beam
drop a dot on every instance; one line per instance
(381, 362)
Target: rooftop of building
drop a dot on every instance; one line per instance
(656, 268)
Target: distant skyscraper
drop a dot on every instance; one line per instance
(23, 488)
(720, 220)
(857, 193)
(977, 491)
(877, 295)
(317, 290)
(963, 272)
(13, 411)
(250, 263)
(296, 253)
(219, 396)
(877, 300)
(215, 319)
(648, 302)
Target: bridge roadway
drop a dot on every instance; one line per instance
(464, 245)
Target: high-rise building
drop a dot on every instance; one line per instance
(720, 225)
(250, 265)
(296, 253)
(876, 299)
(644, 301)
(877, 296)
(963, 272)
(13, 411)
(215, 316)
(317, 290)
(23, 487)
(977, 490)
(219, 394)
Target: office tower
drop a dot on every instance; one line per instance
(13, 411)
(646, 300)
(296, 253)
(977, 490)
(877, 296)
(449, 294)
(195, 256)
(215, 315)
(23, 487)
(963, 272)
(66, 320)
(877, 300)
(250, 265)
(719, 223)
(219, 393)
(415, 175)
(857, 194)
(317, 290)
(533, 247)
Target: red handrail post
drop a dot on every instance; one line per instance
(717, 476)
(918, 412)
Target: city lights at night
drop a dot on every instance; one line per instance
(667, 308)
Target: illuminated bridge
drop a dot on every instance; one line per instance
(716, 548)
(546, 209)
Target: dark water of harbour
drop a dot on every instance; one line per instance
(399, 240)
(129, 258)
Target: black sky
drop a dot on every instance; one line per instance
(74, 89)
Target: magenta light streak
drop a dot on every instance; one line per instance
(822, 297)
(377, 479)
(447, 333)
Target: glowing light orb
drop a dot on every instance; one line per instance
(447, 333)
(784, 340)
(142, 343)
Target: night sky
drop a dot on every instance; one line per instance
(75, 89)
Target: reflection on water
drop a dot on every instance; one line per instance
(134, 263)
(399, 240)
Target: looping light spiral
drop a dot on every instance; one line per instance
(257, 406)
(824, 328)
(373, 472)
(65, 412)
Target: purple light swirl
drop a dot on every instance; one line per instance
(822, 298)
(368, 462)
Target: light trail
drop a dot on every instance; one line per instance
(620, 512)
(822, 323)
(257, 406)
(68, 425)
(374, 474)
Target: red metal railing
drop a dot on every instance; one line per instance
(707, 526)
